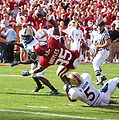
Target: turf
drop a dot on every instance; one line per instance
(18, 102)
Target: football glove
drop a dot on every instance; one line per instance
(92, 49)
(25, 73)
(67, 87)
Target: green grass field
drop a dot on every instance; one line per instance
(18, 102)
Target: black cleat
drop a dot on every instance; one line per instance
(104, 78)
(101, 82)
(118, 85)
(54, 92)
(38, 88)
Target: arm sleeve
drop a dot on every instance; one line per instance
(73, 94)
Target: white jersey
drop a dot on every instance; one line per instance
(30, 47)
(94, 36)
(40, 34)
(21, 32)
(50, 31)
(87, 93)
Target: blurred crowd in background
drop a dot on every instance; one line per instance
(15, 15)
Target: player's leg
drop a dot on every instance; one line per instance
(48, 84)
(39, 85)
(40, 77)
(103, 77)
(110, 86)
(108, 89)
(61, 72)
(35, 77)
(99, 59)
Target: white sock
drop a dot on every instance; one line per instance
(102, 74)
(99, 78)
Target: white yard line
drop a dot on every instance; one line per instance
(10, 75)
(15, 89)
(44, 107)
(6, 75)
(51, 114)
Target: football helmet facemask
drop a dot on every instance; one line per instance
(75, 79)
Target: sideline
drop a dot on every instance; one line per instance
(51, 114)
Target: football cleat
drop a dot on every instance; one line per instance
(118, 85)
(54, 92)
(117, 101)
(104, 78)
(38, 88)
(101, 82)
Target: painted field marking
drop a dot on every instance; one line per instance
(44, 107)
(18, 90)
(10, 75)
(51, 114)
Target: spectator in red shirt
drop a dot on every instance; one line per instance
(39, 19)
(11, 3)
(12, 20)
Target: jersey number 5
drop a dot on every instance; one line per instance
(89, 94)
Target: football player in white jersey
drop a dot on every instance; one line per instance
(81, 88)
(28, 44)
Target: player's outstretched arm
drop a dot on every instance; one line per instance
(67, 88)
(31, 72)
(15, 63)
(55, 25)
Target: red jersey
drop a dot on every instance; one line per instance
(38, 21)
(59, 55)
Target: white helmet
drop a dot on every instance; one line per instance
(75, 79)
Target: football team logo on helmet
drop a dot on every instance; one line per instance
(40, 50)
(75, 79)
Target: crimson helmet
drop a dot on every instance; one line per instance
(40, 50)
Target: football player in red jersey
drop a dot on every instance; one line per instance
(56, 53)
